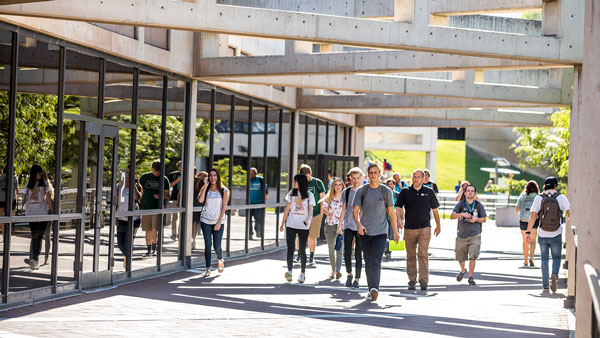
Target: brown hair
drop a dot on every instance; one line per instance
(532, 187)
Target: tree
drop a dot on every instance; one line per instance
(532, 15)
(546, 148)
(239, 174)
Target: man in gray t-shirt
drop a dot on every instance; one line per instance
(470, 214)
(371, 204)
(348, 225)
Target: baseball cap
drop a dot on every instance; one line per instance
(550, 182)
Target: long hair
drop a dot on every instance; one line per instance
(331, 191)
(531, 187)
(218, 184)
(35, 169)
(302, 186)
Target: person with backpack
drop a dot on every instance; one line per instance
(124, 190)
(150, 183)
(259, 194)
(38, 195)
(419, 201)
(524, 210)
(390, 183)
(549, 206)
(317, 188)
(373, 204)
(470, 214)
(296, 220)
(215, 197)
(348, 226)
(333, 209)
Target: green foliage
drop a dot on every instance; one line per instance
(546, 148)
(532, 15)
(513, 188)
(239, 174)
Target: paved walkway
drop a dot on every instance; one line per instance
(252, 299)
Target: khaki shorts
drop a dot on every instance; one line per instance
(467, 248)
(150, 222)
(315, 227)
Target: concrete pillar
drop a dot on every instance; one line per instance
(294, 144)
(404, 10)
(584, 159)
(189, 170)
(359, 144)
(431, 163)
(208, 45)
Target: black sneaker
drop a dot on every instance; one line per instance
(355, 284)
(311, 261)
(349, 281)
(460, 275)
(147, 254)
(297, 259)
(423, 284)
(471, 281)
(411, 285)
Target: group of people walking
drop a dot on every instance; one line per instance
(364, 218)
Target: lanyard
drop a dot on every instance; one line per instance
(471, 207)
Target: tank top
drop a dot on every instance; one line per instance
(212, 208)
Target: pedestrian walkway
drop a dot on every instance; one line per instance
(252, 299)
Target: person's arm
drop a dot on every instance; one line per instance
(285, 215)
(223, 209)
(400, 217)
(201, 195)
(530, 225)
(517, 208)
(175, 181)
(309, 216)
(355, 212)
(436, 215)
(392, 216)
(49, 200)
(321, 197)
(342, 215)
(138, 192)
(459, 196)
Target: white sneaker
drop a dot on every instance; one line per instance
(301, 279)
(288, 276)
(33, 264)
(368, 295)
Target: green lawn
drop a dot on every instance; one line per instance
(450, 162)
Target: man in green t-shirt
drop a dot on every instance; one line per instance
(317, 188)
(150, 194)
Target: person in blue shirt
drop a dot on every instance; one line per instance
(399, 184)
(259, 194)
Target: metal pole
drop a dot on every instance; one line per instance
(291, 169)
(278, 182)
(326, 136)
(248, 166)
(161, 181)
(265, 176)
(132, 165)
(230, 182)
(189, 140)
(211, 141)
(306, 139)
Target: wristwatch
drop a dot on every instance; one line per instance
(527, 232)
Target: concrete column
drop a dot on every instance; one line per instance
(208, 45)
(584, 159)
(294, 144)
(189, 170)
(359, 144)
(431, 163)
(404, 10)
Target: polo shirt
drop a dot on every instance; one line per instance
(417, 205)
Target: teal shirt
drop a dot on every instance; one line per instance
(256, 190)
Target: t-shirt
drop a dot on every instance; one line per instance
(418, 205)
(336, 207)
(465, 228)
(433, 186)
(256, 190)
(177, 187)
(3, 183)
(297, 218)
(524, 203)
(213, 205)
(373, 210)
(123, 202)
(36, 199)
(349, 222)
(150, 186)
(317, 187)
(563, 204)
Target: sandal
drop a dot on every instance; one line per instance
(221, 266)
(206, 273)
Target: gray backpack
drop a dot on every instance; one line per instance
(382, 188)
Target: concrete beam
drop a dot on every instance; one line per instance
(469, 7)
(537, 118)
(14, 2)
(389, 121)
(353, 62)
(412, 86)
(205, 15)
(317, 102)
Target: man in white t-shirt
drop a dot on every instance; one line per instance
(550, 205)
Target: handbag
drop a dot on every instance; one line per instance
(339, 240)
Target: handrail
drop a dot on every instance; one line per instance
(594, 285)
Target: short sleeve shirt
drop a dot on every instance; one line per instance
(563, 204)
(349, 222)
(433, 186)
(335, 208)
(418, 205)
(465, 228)
(256, 191)
(299, 211)
(316, 187)
(177, 187)
(150, 187)
(373, 210)
(36, 199)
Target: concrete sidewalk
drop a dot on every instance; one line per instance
(251, 298)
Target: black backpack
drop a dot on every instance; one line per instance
(550, 214)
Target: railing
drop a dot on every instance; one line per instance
(594, 285)
(490, 203)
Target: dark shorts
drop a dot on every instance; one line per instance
(3, 205)
(523, 225)
(123, 224)
(196, 217)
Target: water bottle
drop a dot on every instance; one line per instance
(475, 214)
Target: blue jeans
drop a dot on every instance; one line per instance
(211, 238)
(373, 248)
(551, 245)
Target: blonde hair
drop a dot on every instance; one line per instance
(355, 170)
(305, 169)
(331, 191)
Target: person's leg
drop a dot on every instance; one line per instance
(290, 239)
(526, 248)
(410, 239)
(261, 221)
(460, 252)
(545, 252)
(175, 223)
(2, 211)
(122, 236)
(366, 242)
(423, 253)
(47, 242)
(217, 239)
(251, 218)
(532, 244)
(377, 249)
(358, 256)
(36, 239)
(555, 251)
(206, 234)
(474, 249)
(348, 236)
(338, 258)
(471, 267)
(331, 235)
(302, 237)
(314, 233)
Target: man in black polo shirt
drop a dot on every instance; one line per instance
(419, 201)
